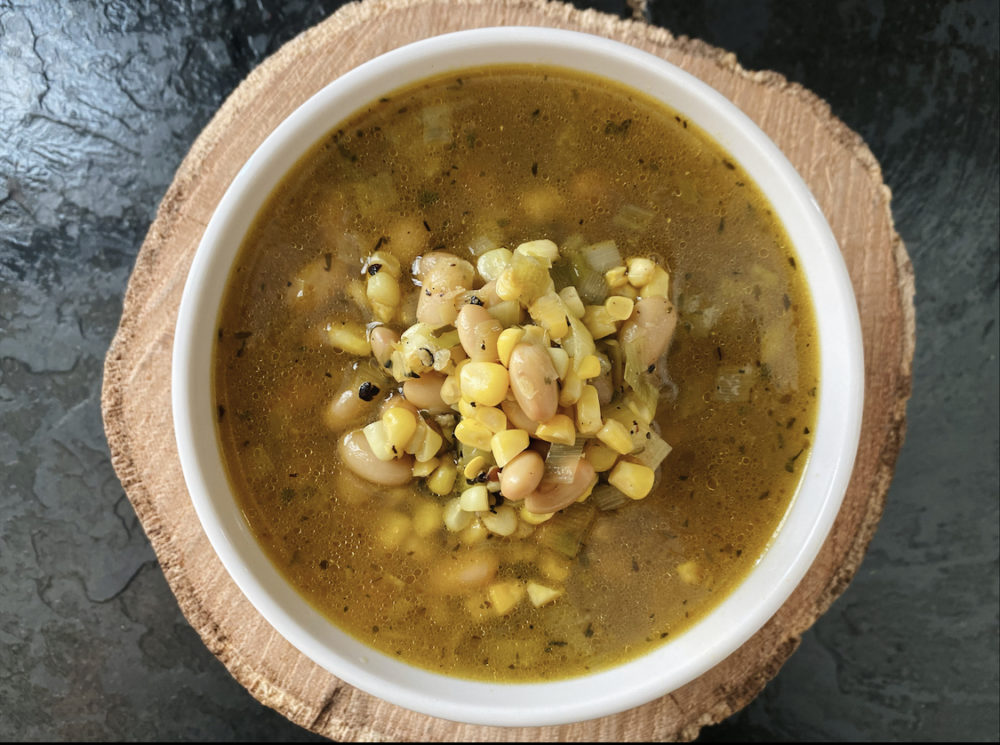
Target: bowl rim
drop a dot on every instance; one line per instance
(725, 628)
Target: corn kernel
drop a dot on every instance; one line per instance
(571, 390)
(535, 518)
(475, 499)
(615, 435)
(598, 321)
(467, 409)
(619, 308)
(429, 446)
(350, 337)
(492, 263)
(553, 566)
(393, 529)
(560, 360)
(544, 250)
(474, 533)
(426, 518)
(484, 382)
(589, 367)
(558, 429)
(507, 444)
(454, 517)
(626, 291)
(503, 522)
(549, 312)
(475, 467)
(659, 285)
(386, 263)
(571, 298)
(399, 425)
(541, 595)
(377, 440)
(494, 419)
(601, 457)
(383, 288)
(473, 432)
(615, 277)
(640, 271)
(451, 392)
(423, 469)
(506, 342)
(442, 481)
(632, 479)
(504, 596)
(588, 412)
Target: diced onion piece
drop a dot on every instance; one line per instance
(633, 217)
(602, 256)
(606, 497)
(541, 595)
(561, 462)
(437, 124)
(655, 450)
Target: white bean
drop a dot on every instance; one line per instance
(651, 326)
(359, 458)
(521, 476)
(478, 331)
(425, 392)
(534, 381)
(551, 496)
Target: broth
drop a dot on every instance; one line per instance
(495, 157)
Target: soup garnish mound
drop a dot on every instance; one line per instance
(455, 345)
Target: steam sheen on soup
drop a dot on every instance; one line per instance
(597, 184)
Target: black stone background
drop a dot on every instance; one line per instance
(98, 104)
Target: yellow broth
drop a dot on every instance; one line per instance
(510, 154)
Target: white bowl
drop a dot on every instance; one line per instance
(740, 614)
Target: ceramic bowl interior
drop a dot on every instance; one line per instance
(740, 614)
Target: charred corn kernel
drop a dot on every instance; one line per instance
(350, 337)
(475, 467)
(540, 595)
(502, 522)
(615, 435)
(377, 440)
(571, 298)
(615, 277)
(588, 412)
(589, 367)
(492, 263)
(466, 408)
(399, 424)
(429, 446)
(549, 312)
(382, 262)
(383, 288)
(598, 321)
(571, 390)
(504, 596)
(507, 444)
(560, 360)
(494, 419)
(393, 529)
(619, 308)
(474, 533)
(553, 567)
(422, 470)
(451, 391)
(427, 518)
(484, 383)
(475, 499)
(634, 480)
(506, 342)
(473, 432)
(454, 517)
(691, 572)
(442, 481)
(640, 271)
(558, 429)
(544, 250)
(659, 285)
(601, 457)
(535, 518)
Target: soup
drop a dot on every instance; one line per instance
(641, 264)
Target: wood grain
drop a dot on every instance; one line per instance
(840, 170)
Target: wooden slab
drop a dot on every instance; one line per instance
(836, 164)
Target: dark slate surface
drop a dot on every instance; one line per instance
(99, 101)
